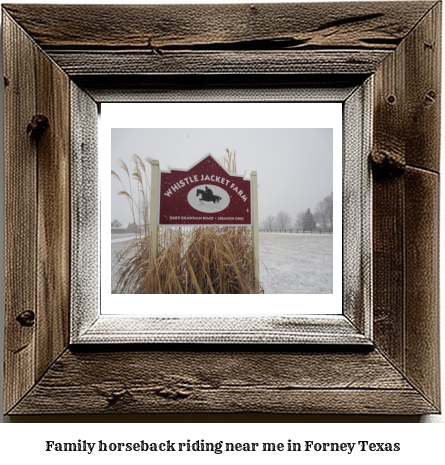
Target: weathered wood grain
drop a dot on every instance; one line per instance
(37, 216)
(407, 113)
(250, 400)
(20, 213)
(230, 330)
(388, 268)
(398, 42)
(422, 325)
(79, 63)
(53, 228)
(263, 38)
(423, 91)
(85, 212)
(257, 381)
(389, 151)
(406, 134)
(389, 144)
(356, 212)
(348, 25)
(218, 87)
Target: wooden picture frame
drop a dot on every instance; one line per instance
(75, 57)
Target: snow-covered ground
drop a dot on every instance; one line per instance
(296, 263)
(289, 263)
(121, 238)
(117, 246)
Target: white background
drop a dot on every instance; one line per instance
(24, 443)
(224, 115)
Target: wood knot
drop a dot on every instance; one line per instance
(386, 163)
(26, 318)
(113, 395)
(37, 126)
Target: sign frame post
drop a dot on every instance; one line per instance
(255, 231)
(154, 209)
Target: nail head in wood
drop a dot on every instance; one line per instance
(430, 97)
(37, 126)
(26, 318)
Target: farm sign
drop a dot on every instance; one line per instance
(205, 194)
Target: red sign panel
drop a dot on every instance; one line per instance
(205, 194)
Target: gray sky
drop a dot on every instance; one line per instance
(295, 166)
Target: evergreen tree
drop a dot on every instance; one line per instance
(308, 221)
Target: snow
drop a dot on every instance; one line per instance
(122, 239)
(296, 263)
(289, 263)
(117, 247)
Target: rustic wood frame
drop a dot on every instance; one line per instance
(94, 52)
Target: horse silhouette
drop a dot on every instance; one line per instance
(208, 197)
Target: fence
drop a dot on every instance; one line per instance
(298, 231)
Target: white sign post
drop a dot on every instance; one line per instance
(255, 231)
(154, 209)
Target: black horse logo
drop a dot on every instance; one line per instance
(208, 196)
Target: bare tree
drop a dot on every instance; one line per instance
(329, 207)
(324, 212)
(320, 215)
(269, 222)
(299, 220)
(283, 220)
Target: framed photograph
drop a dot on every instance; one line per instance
(356, 331)
(291, 262)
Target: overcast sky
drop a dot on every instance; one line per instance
(294, 166)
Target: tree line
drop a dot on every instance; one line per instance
(322, 218)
